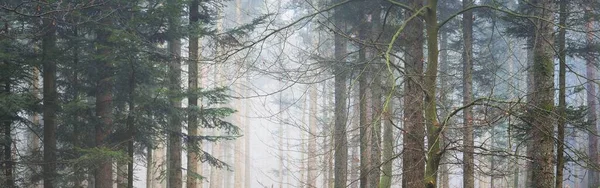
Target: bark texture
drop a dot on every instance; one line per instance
(50, 99)
(413, 161)
(104, 87)
(174, 145)
(192, 156)
(339, 135)
(562, 105)
(543, 100)
(468, 157)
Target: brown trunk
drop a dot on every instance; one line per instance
(50, 100)
(468, 157)
(364, 115)
(149, 168)
(339, 136)
(192, 156)
(375, 129)
(130, 127)
(103, 173)
(444, 90)
(174, 173)
(434, 128)
(562, 105)
(413, 161)
(543, 100)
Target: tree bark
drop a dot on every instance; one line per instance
(388, 138)
(434, 128)
(339, 136)
(103, 173)
(413, 165)
(50, 99)
(364, 115)
(376, 115)
(174, 172)
(543, 100)
(468, 156)
(562, 105)
(192, 144)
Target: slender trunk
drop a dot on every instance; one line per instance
(326, 139)
(103, 173)
(530, 90)
(312, 138)
(131, 127)
(562, 105)
(247, 157)
(149, 168)
(542, 119)
(50, 100)
(468, 156)
(388, 137)
(364, 115)
(444, 179)
(376, 115)
(593, 175)
(240, 147)
(6, 159)
(33, 139)
(413, 165)
(192, 143)
(174, 172)
(340, 137)
(430, 80)
(78, 170)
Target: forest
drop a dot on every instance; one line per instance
(299, 93)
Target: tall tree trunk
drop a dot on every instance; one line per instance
(388, 136)
(149, 168)
(543, 100)
(364, 115)
(592, 101)
(434, 128)
(312, 138)
(562, 105)
(174, 173)
(6, 160)
(32, 138)
(247, 157)
(103, 173)
(240, 151)
(376, 115)
(376, 93)
(446, 105)
(327, 140)
(413, 165)
(468, 156)
(79, 171)
(50, 100)
(192, 143)
(130, 126)
(339, 136)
